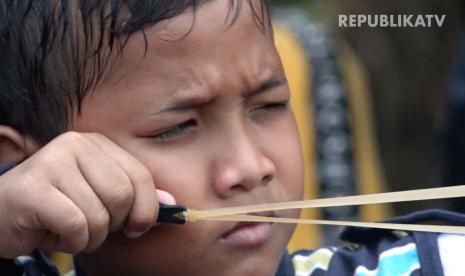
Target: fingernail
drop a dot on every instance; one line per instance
(133, 234)
(165, 198)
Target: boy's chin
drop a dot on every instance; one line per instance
(219, 258)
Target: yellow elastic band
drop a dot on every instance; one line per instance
(238, 213)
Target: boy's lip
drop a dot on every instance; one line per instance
(249, 234)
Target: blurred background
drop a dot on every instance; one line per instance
(414, 93)
(409, 71)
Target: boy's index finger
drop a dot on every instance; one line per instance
(144, 207)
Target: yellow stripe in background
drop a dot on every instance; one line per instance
(298, 74)
(369, 176)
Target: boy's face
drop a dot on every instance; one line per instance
(204, 112)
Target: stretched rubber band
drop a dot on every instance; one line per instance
(239, 213)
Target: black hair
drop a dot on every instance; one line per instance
(54, 52)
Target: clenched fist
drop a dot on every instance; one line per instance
(72, 193)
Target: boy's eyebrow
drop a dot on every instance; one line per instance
(195, 102)
(184, 104)
(267, 85)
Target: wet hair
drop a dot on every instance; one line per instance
(54, 52)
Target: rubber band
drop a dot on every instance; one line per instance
(239, 213)
(402, 196)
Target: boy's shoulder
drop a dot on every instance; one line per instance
(35, 264)
(394, 254)
(378, 252)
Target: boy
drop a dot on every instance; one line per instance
(196, 105)
(110, 107)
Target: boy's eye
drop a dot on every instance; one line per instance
(277, 106)
(176, 131)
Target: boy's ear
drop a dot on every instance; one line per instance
(15, 147)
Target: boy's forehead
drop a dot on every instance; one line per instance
(212, 18)
(193, 52)
(194, 34)
(190, 55)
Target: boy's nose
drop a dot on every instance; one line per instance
(241, 166)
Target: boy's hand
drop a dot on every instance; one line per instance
(72, 193)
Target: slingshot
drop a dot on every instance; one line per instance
(179, 214)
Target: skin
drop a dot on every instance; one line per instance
(232, 141)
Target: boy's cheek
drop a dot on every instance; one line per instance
(289, 161)
(292, 171)
(162, 249)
